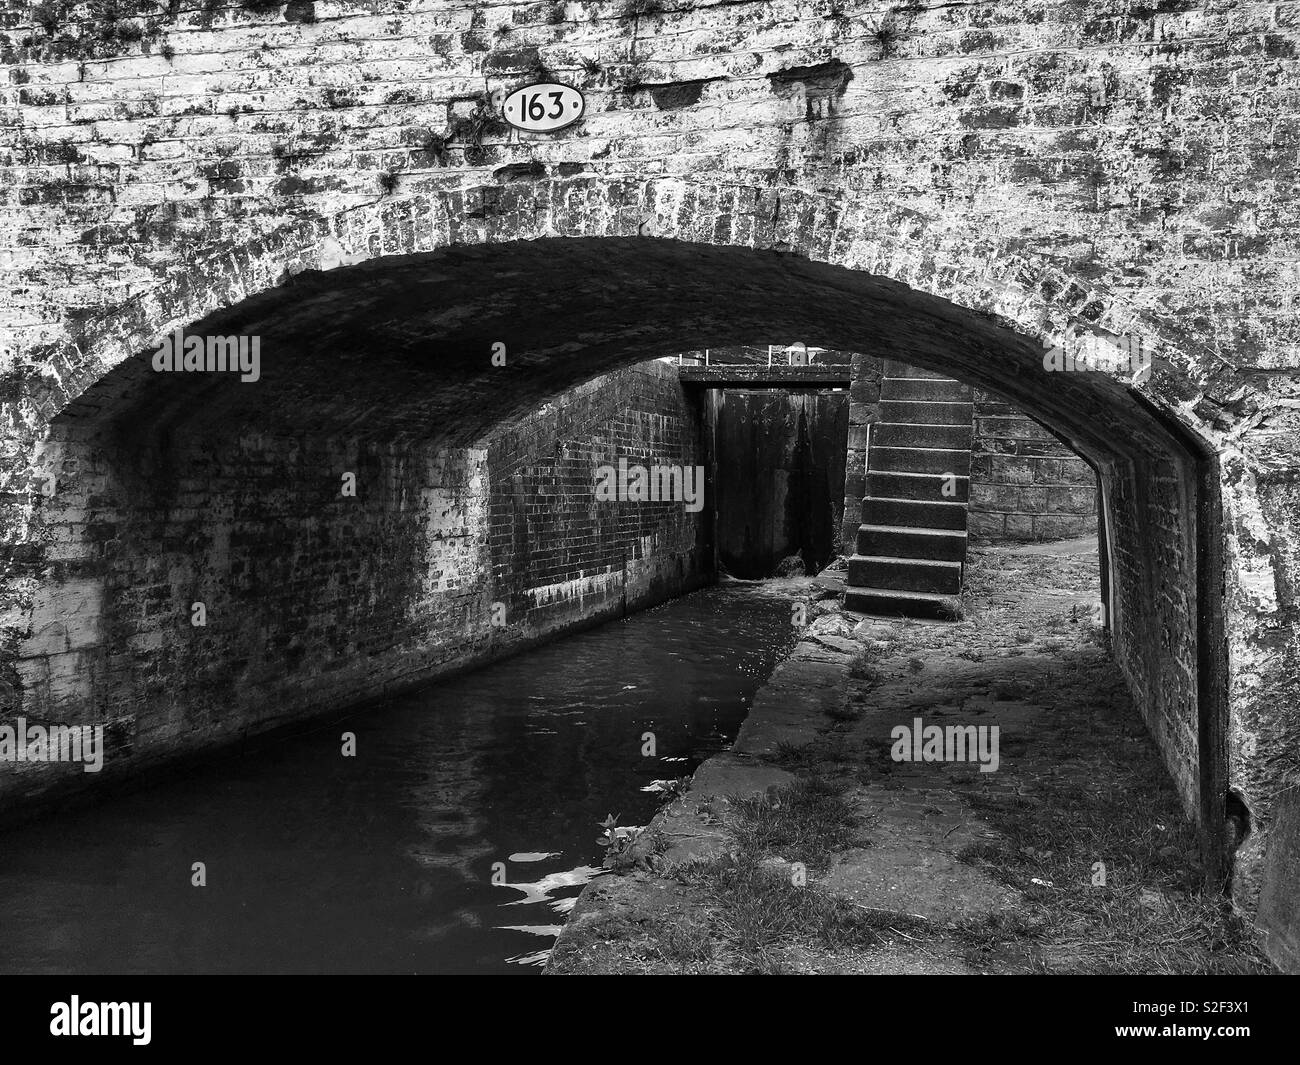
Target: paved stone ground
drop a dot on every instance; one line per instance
(969, 871)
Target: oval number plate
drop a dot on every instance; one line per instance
(543, 108)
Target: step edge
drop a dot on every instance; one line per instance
(904, 447)
(942, 563)
(894, 593)
(918, 502)
(921, 425)
(917, 473)
(918, 530)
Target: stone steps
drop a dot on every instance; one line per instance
(928, 390)
(925, 487)
(901, 541)
(902, 371)
(925, 412)
(911, 545)
(933, 576)
(905, 434)
(885, 603)
(922, 459)
(917, 513)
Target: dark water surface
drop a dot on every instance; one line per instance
(383, 862)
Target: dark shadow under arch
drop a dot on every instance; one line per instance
(399, 349)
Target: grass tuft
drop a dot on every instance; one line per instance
(1120, 893)
(794, 755)
(805, 822)
(760, 913)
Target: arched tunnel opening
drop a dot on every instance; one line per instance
(339, 518)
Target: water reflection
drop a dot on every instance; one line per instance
(384, 862)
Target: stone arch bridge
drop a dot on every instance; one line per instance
(956, 185)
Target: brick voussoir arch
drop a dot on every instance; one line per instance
(1036, 300)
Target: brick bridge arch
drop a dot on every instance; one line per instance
(579, 277)
(953, 192)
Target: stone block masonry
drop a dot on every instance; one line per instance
(1025, 484)
(910, 551)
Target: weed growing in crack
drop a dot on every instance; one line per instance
(48, 16)
(539, 71)
(793, 755)
(627, 849)
(865, 672)
(472, 128)
(637, 9)
(950, 609)
(634, 76)
(435, 147)
(886, 33)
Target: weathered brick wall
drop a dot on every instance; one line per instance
(1154, 597)
(315, 600)
(1025, 485)
(949, 185)
(560, 558)
(312, 599)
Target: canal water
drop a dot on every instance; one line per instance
(384, 862)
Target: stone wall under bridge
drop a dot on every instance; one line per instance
(955, 186)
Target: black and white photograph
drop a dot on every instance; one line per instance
(649, 487)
